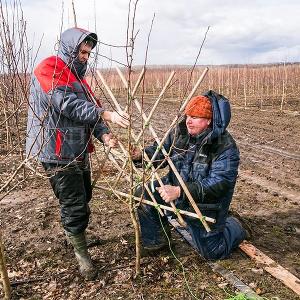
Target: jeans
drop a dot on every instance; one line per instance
(217, 244)
(72, 186)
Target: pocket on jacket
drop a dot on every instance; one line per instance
(71, 143)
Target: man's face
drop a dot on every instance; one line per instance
(196, 125)
(84, 52)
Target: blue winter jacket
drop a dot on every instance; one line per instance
(208, 163)
(62, 116)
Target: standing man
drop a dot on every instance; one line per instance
(207, 158)
(62, 117)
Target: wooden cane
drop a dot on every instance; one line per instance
(183, 212)
(150, 114)
(170, 162)
(128, 179)
(117, 105)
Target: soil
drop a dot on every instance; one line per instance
(41, 264)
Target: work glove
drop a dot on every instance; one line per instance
(120, 118)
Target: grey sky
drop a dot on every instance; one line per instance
(241, 31)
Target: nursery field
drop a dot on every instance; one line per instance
(267, 195)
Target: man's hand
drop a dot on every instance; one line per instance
(120, 118)
(169, 192)
(109, 140)
(136, 153)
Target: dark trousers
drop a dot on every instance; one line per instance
(72, 186)
(217, 244)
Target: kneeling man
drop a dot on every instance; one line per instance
(207, 158)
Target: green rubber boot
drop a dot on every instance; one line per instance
(86, 267)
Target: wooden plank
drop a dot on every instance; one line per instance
(217, 268)
(272, 267)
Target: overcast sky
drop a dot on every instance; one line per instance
(240, 31)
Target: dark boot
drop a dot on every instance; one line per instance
(163, 243)
(86, 267)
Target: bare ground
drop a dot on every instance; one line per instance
(41, 265)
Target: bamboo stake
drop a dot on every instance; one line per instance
(170, 162)
(134, 167)
(146, 123)
(156, 102)
(175, 120)
(3, 272)
(138, 82)
(121, 172)
(181, 220)
(118, 107)
(151, 112)
(148, 202)
(133, 93)
(128, 179)
(98, 172)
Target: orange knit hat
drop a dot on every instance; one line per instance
(199, 106)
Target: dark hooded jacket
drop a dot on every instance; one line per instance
(208, 163)
(62, 115)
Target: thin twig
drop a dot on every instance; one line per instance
(74, 14)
